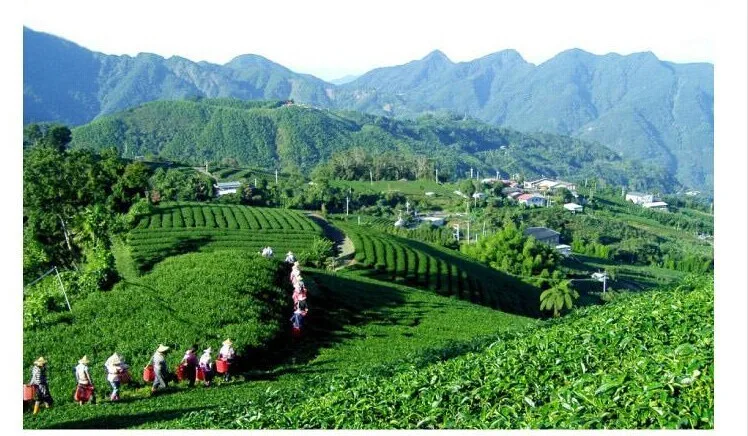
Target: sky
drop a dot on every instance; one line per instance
(331, 38)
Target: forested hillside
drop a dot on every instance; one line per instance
(638, 105)
(294, 138)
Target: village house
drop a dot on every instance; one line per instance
(224, 188)
(531, 200)
(563, 249)
(573, 207)
(639, 198)
(544, 235)
(656, 205)
(433, 220)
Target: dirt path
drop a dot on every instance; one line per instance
(343, 245)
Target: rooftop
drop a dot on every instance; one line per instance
(540, 232)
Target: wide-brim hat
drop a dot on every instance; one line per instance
(227, 342)
(208, 350)
(114, 359)
(84, 360)
(162, 348)
(290, 253)
(40, 361)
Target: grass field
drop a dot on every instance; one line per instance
(356, 325)
(176, 228)
(445, 271)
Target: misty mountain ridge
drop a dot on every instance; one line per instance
(637, 105)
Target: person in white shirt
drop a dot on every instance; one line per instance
(84, 392)
(115, 370)
(227, 354)
(205, 364)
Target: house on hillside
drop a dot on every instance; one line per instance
(531, 200)
(433, 220)
(544, 235)
(511, 190)
(656, 205)
(573, 207)
(535, 184)
(639, 198)
(563, 249)
(224, 188)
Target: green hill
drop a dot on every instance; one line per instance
(271, 135)
(645, 361)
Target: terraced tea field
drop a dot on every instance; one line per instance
(181, 227)
(445, 271)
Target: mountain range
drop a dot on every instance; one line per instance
(641, 107)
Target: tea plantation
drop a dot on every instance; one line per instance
(447, 272)
(198, 298)
(645, 361)
(181, 227)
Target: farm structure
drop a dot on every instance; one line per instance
(224, 188)
(544, 235)
(573, 207)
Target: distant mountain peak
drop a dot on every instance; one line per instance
(438, 56)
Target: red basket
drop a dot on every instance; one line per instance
(149, 375)
(28, 392)
(180, 373)
(83, 393)
(199, 373)
(222, 366)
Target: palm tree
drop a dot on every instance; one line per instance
(558, 297)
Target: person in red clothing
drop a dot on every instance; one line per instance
(189, 363)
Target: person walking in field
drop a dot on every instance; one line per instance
(297, 323)
(299, 298)
(267, 252)
(39, 382)
(295, 272)
(207, 366)
(84, 392)
(290, 258)
(116, 371)
(189, 363)
(160, 368)
(227, 354)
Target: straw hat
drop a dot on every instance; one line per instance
(84, 360)
(114, 359)
(290, 253)
(227, 342)
(41, 361)
(208, 350)
(162, 348)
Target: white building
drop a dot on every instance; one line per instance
(563, 249)
(434, 220)
(573, 207)
(226, 188)
(656, 205)
(639, 198)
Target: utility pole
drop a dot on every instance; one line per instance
(407, 207)
(477, 174)
(497, 175)
(471, 173)
(436, 173)
(468, 231)
(457, 227)
(483, 233)
(63, 289)
(255, 182)
(346, 205)
(206, 167)
(371, 177)
(276, 176)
